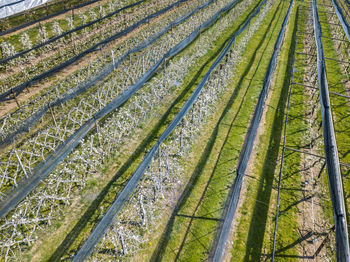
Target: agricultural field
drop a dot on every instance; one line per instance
(175, 130)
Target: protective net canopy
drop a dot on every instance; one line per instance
(11, 7)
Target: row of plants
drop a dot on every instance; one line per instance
(28, 67)
(51, 49)
(86, 74)
(130, 232)
(73, 114)
(28, 38)
(193, 226)
(121, 124)
(253, 228)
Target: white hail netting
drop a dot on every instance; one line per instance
(11, 7)
(89, 156)
(156, 190)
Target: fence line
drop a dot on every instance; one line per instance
(330, 147)
(342, 19)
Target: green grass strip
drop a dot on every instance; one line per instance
(193, 226)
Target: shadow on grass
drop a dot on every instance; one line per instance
(260, 213)
(301, 239)
(149, 140)
(164, 240)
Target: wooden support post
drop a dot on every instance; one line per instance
(143, 211)
(20, 163)
(122, 244)
(99, 139)
(53, 115)
(14, 97)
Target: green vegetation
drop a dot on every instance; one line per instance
(337, 80)
(254, 232)
(191, 229)
(254, 225)
(38, 12)
(126, 163)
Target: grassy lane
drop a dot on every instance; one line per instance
(290, 190)
(192, 227)
(340, 105)
(99, 193)
(254, 226)
(42, 11)
(299, 233)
